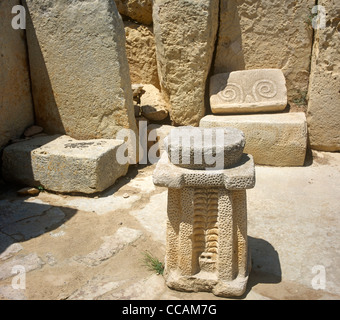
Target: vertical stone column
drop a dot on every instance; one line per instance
(207, 246)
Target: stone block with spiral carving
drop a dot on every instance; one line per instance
(248, 91)
(207, 246)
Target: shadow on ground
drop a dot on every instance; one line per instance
(21, 220)
(266, 267)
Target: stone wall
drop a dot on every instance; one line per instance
(78, 67)
(16, 109)
(267, 34)
(324, 90)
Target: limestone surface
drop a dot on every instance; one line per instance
(248, 91)
(267, 34)
(272, 139)
(153, 105)
(207, 245)
(141, 53)
(79, 70)
(185, 33)
(201, 148)
(138, 10)
(239, 177)
(16, 107)
(63, 164)
(324, 92)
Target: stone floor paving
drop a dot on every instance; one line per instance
(76, 247)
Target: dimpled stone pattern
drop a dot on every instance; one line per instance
(207, 246)
(238, 177)
(204, 142)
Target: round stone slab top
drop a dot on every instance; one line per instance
(205, 148)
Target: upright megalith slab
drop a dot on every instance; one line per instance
(185, 33)
(79, 69)
(248, 91)
(16, 107)
(207, 243)
(324, 90)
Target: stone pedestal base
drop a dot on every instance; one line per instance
(207, 245)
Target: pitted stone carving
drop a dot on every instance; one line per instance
(207, 246)
(248, 91)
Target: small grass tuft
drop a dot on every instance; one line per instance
(152, 263)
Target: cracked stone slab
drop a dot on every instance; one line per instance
(103, 205)
(153, 216)
(8, 293)
(149, 288)
(96, 287)
(27, 228)
(13, 211)
(111, 246)
(30, 262)
(12, 250)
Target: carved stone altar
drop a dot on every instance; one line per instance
(207, 247)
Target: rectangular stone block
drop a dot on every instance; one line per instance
(62, 164)
(272, 139)
(248, 91)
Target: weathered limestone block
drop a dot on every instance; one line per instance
(185, 33)
(62, 164)
(272, 139)
(248, 91)
(324, 90)
(141, 54)
(207, 245)
(16, 107)
(225, 144)
(139, 10)
(153, 105)
(79, 70)
(267, 34)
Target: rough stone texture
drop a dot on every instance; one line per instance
(138, 10)
(157, 133)
(141, 54)
(79, 70)
(201, 148)
(267, 34)
(272, 139)
(248, 91)
(185, 34)
(63, 164)
(324, 91)
(153, 106)
(207, 246)
(29, 262)
(16, 108)
(171, 176)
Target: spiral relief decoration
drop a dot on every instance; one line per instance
(231, 93)
(265, 89)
